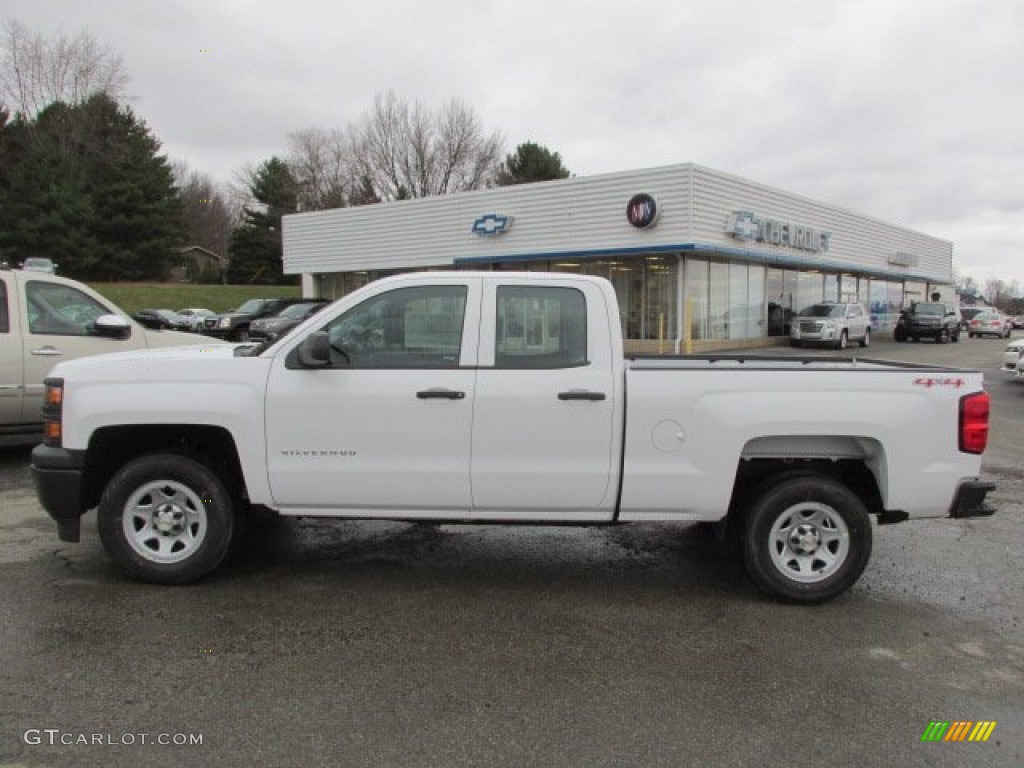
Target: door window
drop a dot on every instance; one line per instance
(405, 328)
(540, 327)
(60, 310)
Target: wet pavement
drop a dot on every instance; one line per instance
(364, 643)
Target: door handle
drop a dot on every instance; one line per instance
(439, 393)
(581, 394)
(47, 352)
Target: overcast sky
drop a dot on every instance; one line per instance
(911, 111)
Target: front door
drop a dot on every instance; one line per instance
(385, 429)
(60, 321)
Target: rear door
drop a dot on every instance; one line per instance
(543, 420)
(11, 365)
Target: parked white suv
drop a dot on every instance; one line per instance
(831, 323)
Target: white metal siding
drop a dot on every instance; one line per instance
(588, 216)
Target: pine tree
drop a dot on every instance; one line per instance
(255, 250)
(531, 162)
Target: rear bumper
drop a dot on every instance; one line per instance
(57, 474)
(970, 499)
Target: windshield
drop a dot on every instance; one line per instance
(824, 310)
(294, 311)
(930, 309)
(250, 307)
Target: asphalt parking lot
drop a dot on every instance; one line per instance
(385, 644)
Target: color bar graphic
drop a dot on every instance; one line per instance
(958, 730)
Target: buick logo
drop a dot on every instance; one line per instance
(492, 225)
(642, 211)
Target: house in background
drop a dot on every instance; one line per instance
(198, 265)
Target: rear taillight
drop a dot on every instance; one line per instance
(53, 411)
(974, 410)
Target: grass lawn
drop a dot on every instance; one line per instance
(131, 297)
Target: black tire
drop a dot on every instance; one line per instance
(166, 518)
(866, 341)
(970, 335)
(807, 538)
(899, 335)
(843, 342)
(943, 337)
(956, 336)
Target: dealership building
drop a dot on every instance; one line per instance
(700, 260)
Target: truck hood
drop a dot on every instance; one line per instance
(145, 358)
(162, 338)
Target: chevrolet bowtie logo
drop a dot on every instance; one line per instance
(492, 224)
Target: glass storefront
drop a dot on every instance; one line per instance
(725, 304)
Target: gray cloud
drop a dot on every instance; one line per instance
(906, 111)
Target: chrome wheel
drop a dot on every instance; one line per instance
(164, 521)
(809, 542)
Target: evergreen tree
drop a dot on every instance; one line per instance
(255, 250)
(87, 189)
(531, 162)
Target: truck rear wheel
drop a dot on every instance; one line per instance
(806, 539)
(166, 518)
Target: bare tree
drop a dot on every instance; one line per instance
(320, 162)
(35, 72)
(208, 214)
(403, 151)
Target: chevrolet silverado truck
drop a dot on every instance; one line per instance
(505, 398)
(45, 319)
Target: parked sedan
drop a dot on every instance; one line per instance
(989, 324)
(283, 321)
(199, 319)
(162, 318)
(1013, 358)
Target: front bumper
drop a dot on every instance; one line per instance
(57, 474)
(970, 499)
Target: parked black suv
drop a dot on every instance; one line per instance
(932, 319)
(234, 325)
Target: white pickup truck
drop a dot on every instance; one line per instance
(502, 397)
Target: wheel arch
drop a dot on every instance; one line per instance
(857, 462)
(110, 448)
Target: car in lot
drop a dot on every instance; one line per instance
(990, 324)
(928, 319)
(831, 323)
(199, 318)
(235, 325)
(46, 319)
(277, 325)
(1013, 358)
(969, 313)
(39, 264)
(1017, 322)
(161, 319)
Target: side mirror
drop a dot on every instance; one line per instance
(315, 350)
(112, 326)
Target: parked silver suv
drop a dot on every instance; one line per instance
(831, 323)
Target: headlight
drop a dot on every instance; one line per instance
(225, 323)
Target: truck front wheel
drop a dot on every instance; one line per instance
(807, 539)
(166, 518)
